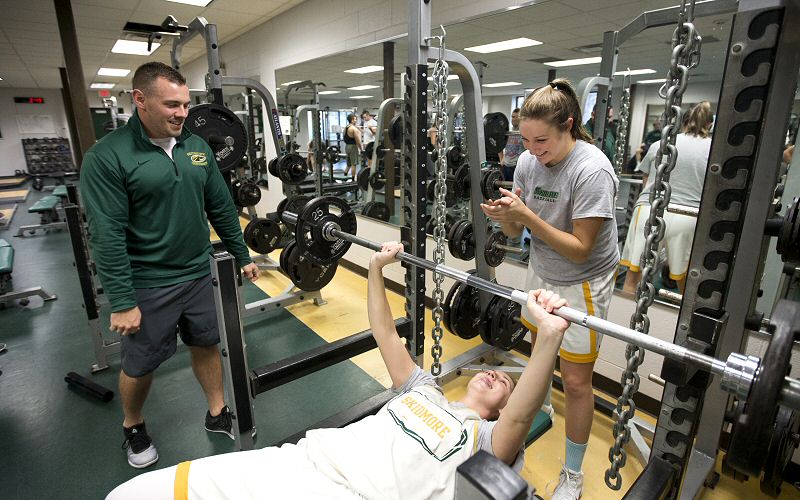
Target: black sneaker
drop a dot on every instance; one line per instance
(221, 423)
(141, 451)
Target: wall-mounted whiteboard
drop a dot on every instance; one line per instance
(36, 124)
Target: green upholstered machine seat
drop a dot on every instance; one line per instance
(60, 191)
(45, 204)
(6, 257)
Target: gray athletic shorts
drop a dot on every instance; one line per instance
(188, 306)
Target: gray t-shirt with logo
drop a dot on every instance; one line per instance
(582, 185)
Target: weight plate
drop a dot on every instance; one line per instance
(262, 235)
(377, 180)
(490, 313)
(292, 169)
(246, 193)
(462, 183)
(222, 130)
(307, 275)
(285, 254)
(452, 234)
(488, 179)
(310, 222)
(494, 256)
(377, 210)
(462, 245)
(448, 304)
(788, 245)
(454, 157)
(752, 424)
(396, 130)
(495, 130)
(465, 316)
(281, 207)
(781, 448)
(506, 331)
(381, 151)
(332, 154)
(362, 179)
(272, 166)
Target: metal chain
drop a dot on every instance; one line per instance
(440, 72)
(621, 153)
(685, 55)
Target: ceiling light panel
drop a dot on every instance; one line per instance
(646, 71)
(113, 72)
(364, 87)
(501, 84)
(516, 43)
(198, 3)
(574, 62)
(329, 92)
(102, 85)
(133, 47)
(361, 97)
(364, 69)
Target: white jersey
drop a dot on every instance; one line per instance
(368, 135)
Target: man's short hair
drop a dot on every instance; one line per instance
(516, 110)
(148, 73)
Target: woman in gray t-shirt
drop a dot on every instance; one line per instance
(564, 191)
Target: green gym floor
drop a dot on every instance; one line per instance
(58, 443)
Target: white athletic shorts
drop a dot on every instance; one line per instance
(580, 345)
(678, 236)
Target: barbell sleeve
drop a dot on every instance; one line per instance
(737, 373)
(509, 249)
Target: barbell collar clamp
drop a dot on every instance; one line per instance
(740, 371)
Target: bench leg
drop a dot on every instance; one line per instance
(23, 295)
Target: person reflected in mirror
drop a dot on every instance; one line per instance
(370, 128)
(564, 190)
(686, 186)
(352, 146)
(510, 153)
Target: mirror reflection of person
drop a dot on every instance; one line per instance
(370, 129)
(564, 191)
(409, 449)
(510, 153)
(352, 148)
(686, 183)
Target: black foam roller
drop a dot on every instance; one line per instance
(86, 385)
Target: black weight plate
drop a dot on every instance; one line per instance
(381, 151)
(465, 316)
(248, 231)
(307, 275)
(377, 180)
(430, 190)
(272, 166)
(285, 254)
(448, 305)
(264, 235)
(377, 210)
(296, 203)
(332, 154)
(452, 236)
(788, 245)
(506, 331)
(462, 245)
(488, 179)
(781, 449)
(292, 169)
(752, 425)
(281, 206)
(222, 130)
(495, 130)
(363, 179)
(396, 130)
(310, 222)
(490, 313)
(454, 157)
(462, 182)
(494, 256)
(248, 194)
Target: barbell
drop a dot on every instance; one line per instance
(325, 228)
(491, 182)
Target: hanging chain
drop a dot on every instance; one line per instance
(621, 153)
(685, 55)
(440, 72)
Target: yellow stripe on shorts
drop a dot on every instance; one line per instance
(587, 297)
(182, 481)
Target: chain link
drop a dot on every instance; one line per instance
(685, 55)
(440, 72)
(621, 153)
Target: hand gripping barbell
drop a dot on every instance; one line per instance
(324, 236)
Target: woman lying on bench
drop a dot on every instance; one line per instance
(409, 449)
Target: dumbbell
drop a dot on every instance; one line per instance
(497, 247)
(491, 182)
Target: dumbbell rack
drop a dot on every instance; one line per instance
(48, 155)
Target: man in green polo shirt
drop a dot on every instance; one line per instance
(149, 190)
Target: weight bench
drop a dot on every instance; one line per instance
(46, 208)
(7, 292)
